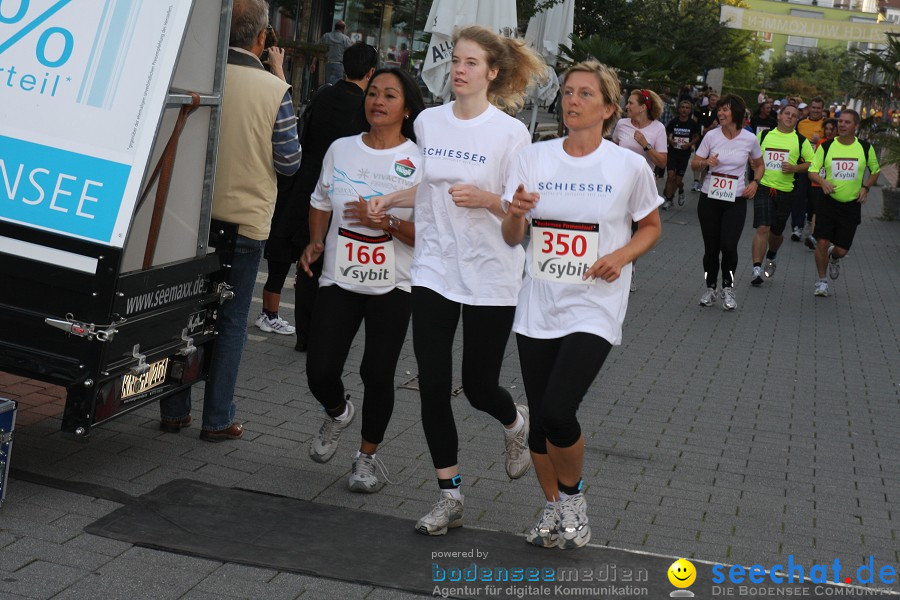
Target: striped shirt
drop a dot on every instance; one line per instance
(285, 145)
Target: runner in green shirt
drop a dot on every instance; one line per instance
(839, 167)
(785, 152)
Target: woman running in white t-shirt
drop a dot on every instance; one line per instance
(580, 194)
(461, 264)
(365, 273)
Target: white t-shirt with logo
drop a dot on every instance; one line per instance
(585, 211)
(359, 259)
(460, 252)
(733, 157)
(654, 132)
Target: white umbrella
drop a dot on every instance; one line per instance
(445, 16)
(550, 28)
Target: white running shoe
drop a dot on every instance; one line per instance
(708, 297)
(574, 531)
(769, 268)
(822, 288)
(325, 443)
(728, 300)
(834, 267)
(696, 186)
(757, 277)
(364, 475)
(518, 458)
(446, 514)
(680, 197)
(796, 234)
(546, 532)
(276, 325)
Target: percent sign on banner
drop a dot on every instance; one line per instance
(85, 82)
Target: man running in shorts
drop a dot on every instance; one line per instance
(785, 152)
(682, 132)
(845, 160)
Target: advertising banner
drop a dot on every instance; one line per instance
(753, 20)
(82, 86)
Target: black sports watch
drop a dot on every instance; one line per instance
(648, 147)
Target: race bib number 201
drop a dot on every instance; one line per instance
(723, 187)
(563, 251)
(364, 260)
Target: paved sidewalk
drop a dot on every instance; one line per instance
(733, 437)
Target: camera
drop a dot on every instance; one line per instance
(271, 40)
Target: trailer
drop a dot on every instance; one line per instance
(110, 263)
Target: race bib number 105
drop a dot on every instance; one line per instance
(364, 260)
(723, 187)
(563, 251)
(775, 158)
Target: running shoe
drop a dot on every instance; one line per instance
(364, 474)
(796, 234)
(769, 269)
(708, 297)
(757, 276)
(446, 514)
(574, 531)
(728, 300)
(666, 205)
(681, 197)
(518, 458)
(696, 186)
(546, 532)
(810, 242)
(325, 443)
(822, 288)
(834, 267)
(276, 325)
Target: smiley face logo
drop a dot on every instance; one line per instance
(682, 573)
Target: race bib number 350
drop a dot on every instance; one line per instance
(844, 169)
(723, 187)
(364, 260)
(563, 251)
(775, 158)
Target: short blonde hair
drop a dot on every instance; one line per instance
(610, 88)
(649, 96)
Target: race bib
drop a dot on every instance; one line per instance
(723, 187)
(681, 142)
(775, 158)
(563, 251)
(364, 260)
(760, 129)
(844, 169)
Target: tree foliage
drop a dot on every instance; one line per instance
(650, 67)
(689, 29)
(818, 72)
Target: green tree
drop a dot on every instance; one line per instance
(818, 72)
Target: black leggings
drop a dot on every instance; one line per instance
(557, 374)
(721, 224)
(485, 334)
(336, 319)
(278, 272)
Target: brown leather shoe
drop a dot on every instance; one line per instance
(174, 425)
(233, 432)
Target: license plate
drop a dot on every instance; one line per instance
(133, 385)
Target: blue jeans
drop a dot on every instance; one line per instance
(334, 72)
(218, 398)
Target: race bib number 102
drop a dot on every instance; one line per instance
(364, 260)
(563, 251)
(844, 169)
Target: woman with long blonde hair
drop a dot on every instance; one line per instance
(462, 265)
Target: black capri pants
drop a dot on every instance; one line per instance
(721, 224)
(486, 332)
(557, 374)
(336, 318)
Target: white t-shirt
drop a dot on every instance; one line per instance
(655, 132)
(460, 252)
(598, 196)
(357, 258)
(733, 155)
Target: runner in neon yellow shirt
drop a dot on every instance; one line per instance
(785, 152)
(844, 162)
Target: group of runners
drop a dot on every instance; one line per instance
(425, 215)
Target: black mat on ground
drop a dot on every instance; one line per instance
(286, 534)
